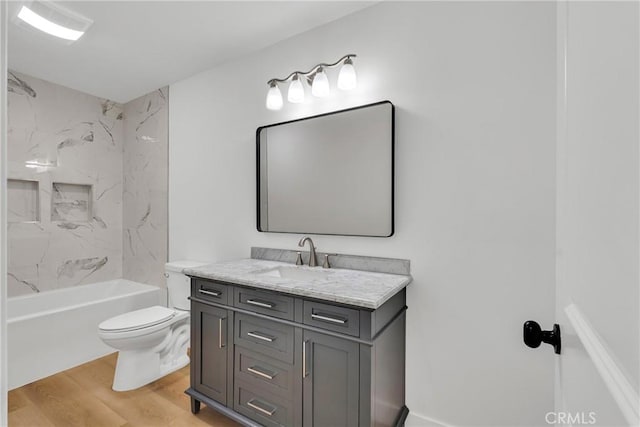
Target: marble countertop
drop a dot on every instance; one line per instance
(359, 288)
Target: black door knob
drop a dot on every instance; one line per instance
(533, 335)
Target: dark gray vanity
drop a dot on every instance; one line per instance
(276, 345)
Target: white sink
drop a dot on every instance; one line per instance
(295, 273)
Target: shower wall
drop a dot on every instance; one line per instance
(65, 187)
(67, 169)
(146, 151)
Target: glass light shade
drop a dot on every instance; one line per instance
(43, 24)
(320, 86)
(296, 91)
(347, 78)
(274, 97)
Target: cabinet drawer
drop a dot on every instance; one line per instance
(254, 368)
(263, 302)
(265, 337)
(332, 317)
(261, 406)
(211, 291)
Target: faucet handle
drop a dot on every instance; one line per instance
(326, 261)
(299, 259)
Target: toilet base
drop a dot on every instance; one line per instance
(136, 368)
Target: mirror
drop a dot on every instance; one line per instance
(328, 174)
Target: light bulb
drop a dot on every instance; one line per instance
(320, 86)
(274, 97)
(347, 78)
(296, 91)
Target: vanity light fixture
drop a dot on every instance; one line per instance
(53, 19)
(274, 97)
(347, 78)
(296, 91)
(317, 78)
(320, 86)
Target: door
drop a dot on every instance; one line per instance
(209, 342)
(597, 298)
(331, 372)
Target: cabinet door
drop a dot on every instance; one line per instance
(331, 381)
(209, 345)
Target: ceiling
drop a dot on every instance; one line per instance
(135, 47)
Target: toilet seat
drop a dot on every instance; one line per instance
(138, 319)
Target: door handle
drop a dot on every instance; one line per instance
(222, 342)
(304, 359)
(533, 336)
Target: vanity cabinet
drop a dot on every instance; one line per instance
(331, 384)
(209, 351)
(274, 359)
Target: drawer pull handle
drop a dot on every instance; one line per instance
(259, 303)
(221, 343)
(304, 359)
(259, 409)
(328, 319)
(260, 337)
(212, 293)
(255, 370)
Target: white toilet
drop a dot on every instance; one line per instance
(153, 341)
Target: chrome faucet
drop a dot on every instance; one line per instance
(312, 250)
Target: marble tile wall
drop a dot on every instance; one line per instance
(96, 170)
(145, 201)
(59, 135)
(22, 196)
(71, 202)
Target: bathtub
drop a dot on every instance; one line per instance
(57, 330)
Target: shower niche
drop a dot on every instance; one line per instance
(71, 202)
(23, 201)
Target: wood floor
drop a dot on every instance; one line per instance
(82, 396)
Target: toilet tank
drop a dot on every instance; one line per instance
(178, 284)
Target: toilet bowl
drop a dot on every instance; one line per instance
(151, 342)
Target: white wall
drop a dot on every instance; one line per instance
(474, 87)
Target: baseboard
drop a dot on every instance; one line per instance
(419, 420)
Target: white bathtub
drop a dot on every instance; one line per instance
(57, 330)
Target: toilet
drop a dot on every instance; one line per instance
(153, 341)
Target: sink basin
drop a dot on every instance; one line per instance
(295, 273)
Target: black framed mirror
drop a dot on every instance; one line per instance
(328, 174)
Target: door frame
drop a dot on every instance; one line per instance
(3, 212)
(572, 319)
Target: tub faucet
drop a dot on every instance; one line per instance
(312, 250)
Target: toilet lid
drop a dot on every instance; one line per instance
(138, 319)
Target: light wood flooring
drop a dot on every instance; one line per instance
(82, 396)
